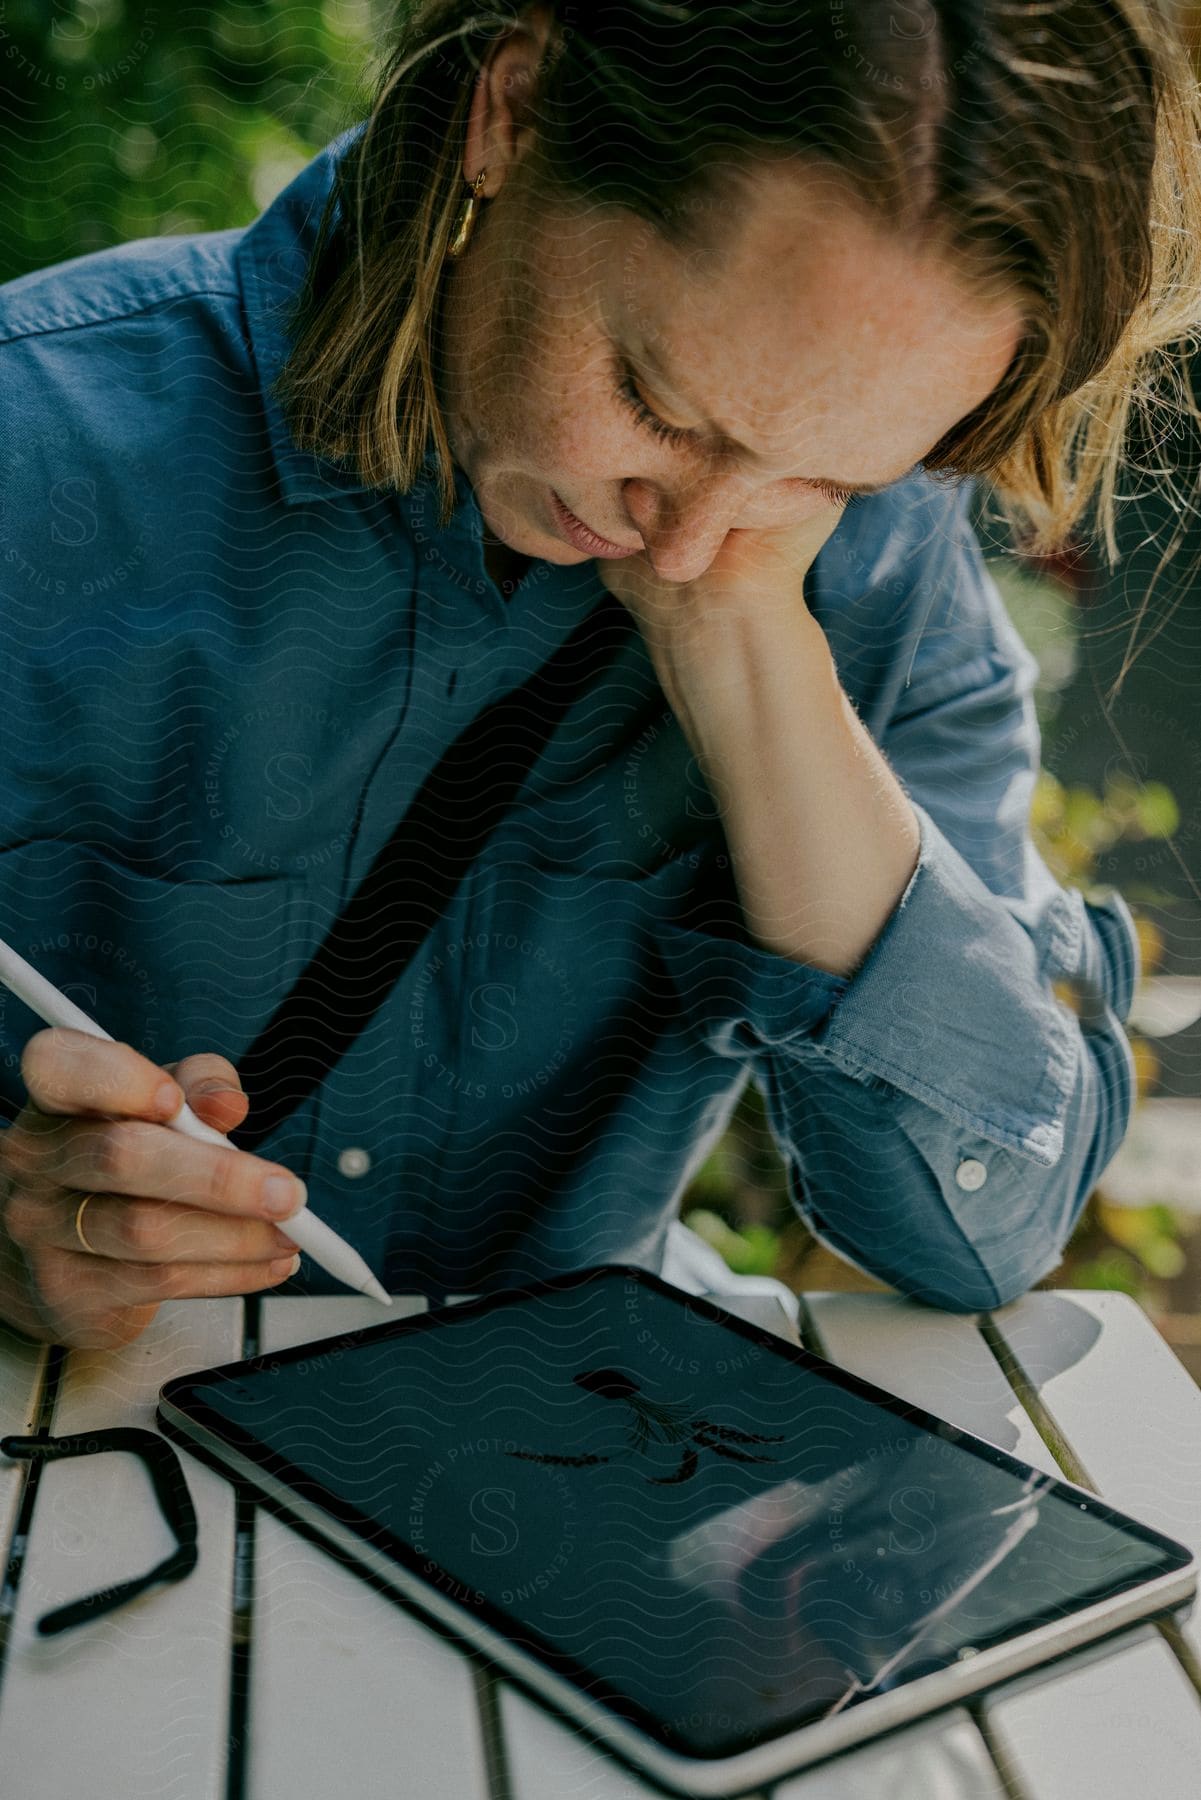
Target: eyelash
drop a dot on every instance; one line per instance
(628, 394)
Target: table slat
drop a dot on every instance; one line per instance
(349, 1692)
(389, 1705)
(1128, 1409)
(943, 1759)
(935, 1360)
(547, 1759)
(1127, 1723)
(285, 1321)
(938, 1361)
(138, 1699)
(22, 1374)
(763, 1310)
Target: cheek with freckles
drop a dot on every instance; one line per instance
(568, 403)
(586, 447)
(573, 426)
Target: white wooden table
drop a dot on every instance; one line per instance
(271, 1672)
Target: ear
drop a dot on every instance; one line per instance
(496, 136)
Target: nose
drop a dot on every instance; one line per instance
(684, 527)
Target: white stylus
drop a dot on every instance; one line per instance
(306, 1231)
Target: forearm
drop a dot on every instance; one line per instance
(822, 838)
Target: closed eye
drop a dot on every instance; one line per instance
(629, 396)
(837, 496)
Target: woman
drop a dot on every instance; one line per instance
(494, 667)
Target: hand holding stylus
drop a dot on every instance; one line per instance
(175, 1210)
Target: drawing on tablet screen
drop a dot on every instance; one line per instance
(654, 1421)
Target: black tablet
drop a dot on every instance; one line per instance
(722, 1554)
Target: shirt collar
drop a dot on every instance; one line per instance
(272, 258)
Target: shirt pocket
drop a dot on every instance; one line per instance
(170, 967)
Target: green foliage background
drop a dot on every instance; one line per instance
(122, 119)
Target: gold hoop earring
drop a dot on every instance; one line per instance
(467, 218)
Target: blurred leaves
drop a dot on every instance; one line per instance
(1150, 1233)
(751, 1251)
(1111, 1270)
(1128, 1248)
(1043, 608)
(122, 119)
(1073, 826)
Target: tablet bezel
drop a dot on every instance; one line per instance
(646, 1740)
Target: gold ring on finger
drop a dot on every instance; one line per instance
(79, 1225)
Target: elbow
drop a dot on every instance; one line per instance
(1098, 1117)
(965, 1290)
(1024, 1233)
(977, 1281)
(936, 1261)
(898, 1209)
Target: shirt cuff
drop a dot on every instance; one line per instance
(953, 1006)
(1102, 964)
(738, 996)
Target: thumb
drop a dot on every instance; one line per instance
(212, 1090)
(222, 1109)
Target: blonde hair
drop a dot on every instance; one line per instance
(1057, 146)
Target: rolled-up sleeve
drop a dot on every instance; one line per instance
(944, 1114)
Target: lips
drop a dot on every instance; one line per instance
(583, 536)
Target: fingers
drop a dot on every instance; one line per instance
(203, 1071)
(133, 1157)
(213, 1089)
(121, 1227)
(231, 1101)
(222, 1110)
(71, 1072)
(166, 1217)
(99, 1287)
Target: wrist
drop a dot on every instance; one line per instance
(757, 670)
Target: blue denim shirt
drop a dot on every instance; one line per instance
(228, 667)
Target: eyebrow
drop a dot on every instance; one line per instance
(653, 360)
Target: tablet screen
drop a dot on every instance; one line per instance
(718, 1536)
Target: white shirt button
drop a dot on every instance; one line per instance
(353, 1162)
(971, 1174)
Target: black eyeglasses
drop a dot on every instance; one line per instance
(171, 1491)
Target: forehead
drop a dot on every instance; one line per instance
(797, 322)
